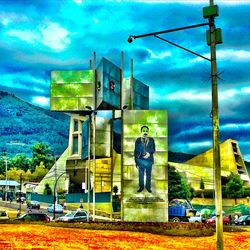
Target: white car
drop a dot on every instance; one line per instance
(195, 218)
(58, 208)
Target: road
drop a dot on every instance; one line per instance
(13, 206)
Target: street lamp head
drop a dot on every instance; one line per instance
(88, 107)
(130, 39)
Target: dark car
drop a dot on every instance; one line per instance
(33, 204)
(243, 220)
(79, 215)
(34, 217)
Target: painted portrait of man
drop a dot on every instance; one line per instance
(144, 158)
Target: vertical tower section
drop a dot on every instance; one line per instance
(108, 85)
(144, 169)
(140, 94)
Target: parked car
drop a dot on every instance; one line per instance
(226, 220)
(58, 208)
(34, 217)
(3, 215)
(74, 216)
(243, 220)
(198, 218)
(33, 204)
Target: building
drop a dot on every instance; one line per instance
(201, 166)
(12, 188)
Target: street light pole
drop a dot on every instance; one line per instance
(216, 145)
(20, 201)
(54, 210)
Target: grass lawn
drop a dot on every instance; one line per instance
(28, 236)
(11, 212)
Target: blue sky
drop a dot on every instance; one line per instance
(39, 36)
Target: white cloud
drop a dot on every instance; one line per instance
(78, 1)
(232, 126)
(5, 21)
(188, 95)
(158, 56)
(245, 90)
(40, 101)
(227, 55)
(161, 55)
(29, 82)
(227, 2)
(190, 147)
(55, 37)
(195, 130)
(246, 157)
(225, 95)
(201, 144)
(25, 35)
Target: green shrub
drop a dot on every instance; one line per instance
(246, 191)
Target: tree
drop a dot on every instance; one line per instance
(14, 174)
(177, 185)
(3, 157)
(202, 185)
(192, 192)
(47, 190)
(115, 190)
(42, 153)
(234, 187)
(20, 161)
(116, 200)
(39, 172)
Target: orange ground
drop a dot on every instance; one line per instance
(45, 237)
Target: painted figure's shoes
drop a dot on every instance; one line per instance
(139, 190)
(149, 190)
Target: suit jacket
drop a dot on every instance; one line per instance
(141, 147)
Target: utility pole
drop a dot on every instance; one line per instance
(6, 177)
(216, 145)
(94, 162)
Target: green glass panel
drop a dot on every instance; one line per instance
(59, 103)
(72, 90)
(146, 117)
(73, 76)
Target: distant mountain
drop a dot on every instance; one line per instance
(179, 157)
(23, 124)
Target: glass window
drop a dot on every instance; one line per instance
(81, 214)
(75, 145)
(75, 125)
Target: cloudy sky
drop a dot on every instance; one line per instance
(37, 36)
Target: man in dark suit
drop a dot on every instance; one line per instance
(144, 159)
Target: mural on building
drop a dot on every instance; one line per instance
(144, 170)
